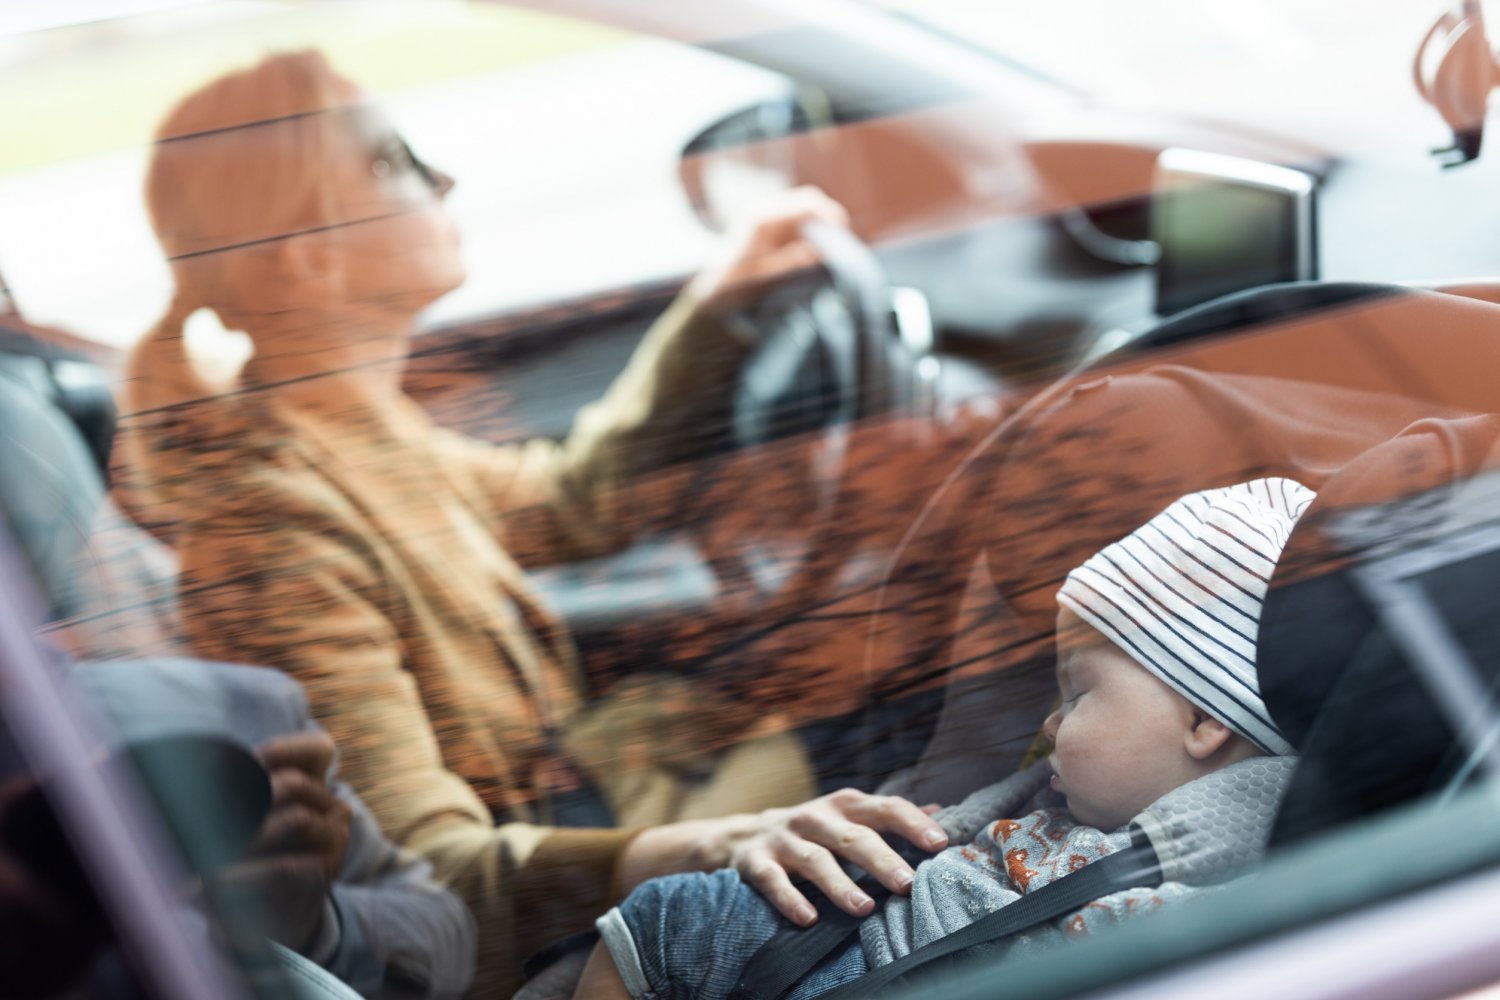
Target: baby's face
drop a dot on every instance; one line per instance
(1120, 733)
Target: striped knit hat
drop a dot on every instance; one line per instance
(1182, 596)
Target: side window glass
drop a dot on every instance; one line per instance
(563, 135)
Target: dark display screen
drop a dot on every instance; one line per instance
(1219, 235)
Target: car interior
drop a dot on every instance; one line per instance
(1050, 318)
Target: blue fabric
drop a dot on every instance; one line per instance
(694, 935)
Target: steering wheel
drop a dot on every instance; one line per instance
(827, 354)
(828, 358)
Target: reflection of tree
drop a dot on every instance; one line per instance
(917, 554)
(1088, 465)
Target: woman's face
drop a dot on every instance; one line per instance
(392, 242)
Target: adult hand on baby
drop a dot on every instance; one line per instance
(771, 848)
(808, 841)
(767, 245)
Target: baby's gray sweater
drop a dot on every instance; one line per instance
(1204, 833)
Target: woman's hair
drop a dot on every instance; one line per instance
(236, 164)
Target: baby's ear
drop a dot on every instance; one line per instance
(1207, 736)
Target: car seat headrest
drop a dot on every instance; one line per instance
(68, 377)
(1339, 679)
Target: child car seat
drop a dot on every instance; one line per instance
(1381, 613)
(1340, 672)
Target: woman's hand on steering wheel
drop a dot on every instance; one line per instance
(766, 245)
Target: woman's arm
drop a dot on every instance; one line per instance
(575, 498)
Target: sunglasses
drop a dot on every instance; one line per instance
(395, 157)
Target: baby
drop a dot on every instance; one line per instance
(1161, 729)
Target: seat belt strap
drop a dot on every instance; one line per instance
(1133, 867)
(792, 952)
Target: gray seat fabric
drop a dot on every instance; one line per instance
(50, 486)
(111, 585)
(299, 978)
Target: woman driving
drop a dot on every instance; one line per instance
(327, 527)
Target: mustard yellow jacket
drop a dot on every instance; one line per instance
(375, 558)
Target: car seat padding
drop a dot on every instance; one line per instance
(1370, 733)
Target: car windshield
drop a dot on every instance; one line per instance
(520, 106)
(1339, 70)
